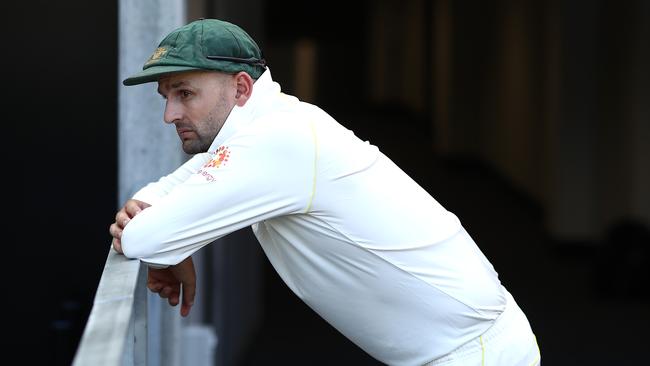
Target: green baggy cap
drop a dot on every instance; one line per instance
(205, 44)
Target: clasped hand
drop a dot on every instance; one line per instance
(166, 282)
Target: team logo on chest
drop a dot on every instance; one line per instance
(220, 158)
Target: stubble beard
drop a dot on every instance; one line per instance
(198, 145)
(205, 138)
(212, 124)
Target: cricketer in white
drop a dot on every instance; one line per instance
(349, 232)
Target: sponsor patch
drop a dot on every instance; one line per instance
(220, 158)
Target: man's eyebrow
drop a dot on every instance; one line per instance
(175, 85)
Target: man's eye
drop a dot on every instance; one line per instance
(185, 93)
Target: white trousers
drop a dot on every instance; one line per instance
(508, 342)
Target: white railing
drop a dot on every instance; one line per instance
(116, 330)
(130, 326)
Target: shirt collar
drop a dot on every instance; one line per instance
(240, 117)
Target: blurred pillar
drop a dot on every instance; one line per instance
(511, 130)
(305, 72)
(442, 72)
(248, 14)
(624, 152)
(146, 149)
(397, 54)
(599, 155)
(142, 26)
(640, 115)
(572, 208)
(196, 9)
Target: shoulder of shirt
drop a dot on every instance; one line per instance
(290, 114)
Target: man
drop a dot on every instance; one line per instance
(349, 232)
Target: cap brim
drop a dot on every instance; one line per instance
(154, 73)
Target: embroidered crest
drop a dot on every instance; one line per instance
(220, 157)
(158, 53)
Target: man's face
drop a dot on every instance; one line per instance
(197, 103)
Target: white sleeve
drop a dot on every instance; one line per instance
(256, 175)
(153, 191)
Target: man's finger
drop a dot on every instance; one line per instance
(122, 218)
(189, 290)
(117, 245)
(115, 231)
(165, 292)
(173, 299)
(132, 208)
(155, 286)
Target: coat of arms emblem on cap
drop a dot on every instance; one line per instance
(158, 53)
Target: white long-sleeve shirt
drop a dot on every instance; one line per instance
(349, 232)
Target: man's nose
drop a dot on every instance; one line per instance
(172, 112)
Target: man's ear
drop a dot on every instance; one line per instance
(244, 84)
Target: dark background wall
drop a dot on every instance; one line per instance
(60, 66)
(523, 117)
